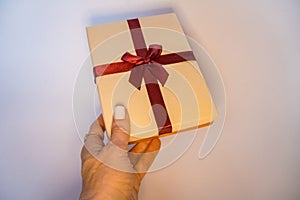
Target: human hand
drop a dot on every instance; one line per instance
(111, 171)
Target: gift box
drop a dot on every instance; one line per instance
(147, 65)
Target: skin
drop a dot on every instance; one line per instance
(111, 171)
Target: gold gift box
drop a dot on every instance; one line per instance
(187, 100)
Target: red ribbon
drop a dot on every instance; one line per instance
(140, 65)
(147, 64)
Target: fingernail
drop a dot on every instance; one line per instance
(119, 112)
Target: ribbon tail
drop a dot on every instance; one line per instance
(136, 76)
(159, 72)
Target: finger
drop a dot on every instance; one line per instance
(93, 141)
(115, 158)
(101, 122)
(115, 153)
(146, 160)
(120, 127)
(138, 150)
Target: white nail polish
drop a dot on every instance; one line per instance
(119, 112)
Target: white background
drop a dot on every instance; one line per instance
(256, 47)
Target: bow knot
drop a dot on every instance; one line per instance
(141, 64)
(153, 52)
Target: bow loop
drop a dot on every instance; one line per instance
(136, 60)
(154, 51)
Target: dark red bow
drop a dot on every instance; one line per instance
(140, 65)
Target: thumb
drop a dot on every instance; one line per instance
(115, 154)
(120, 127)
